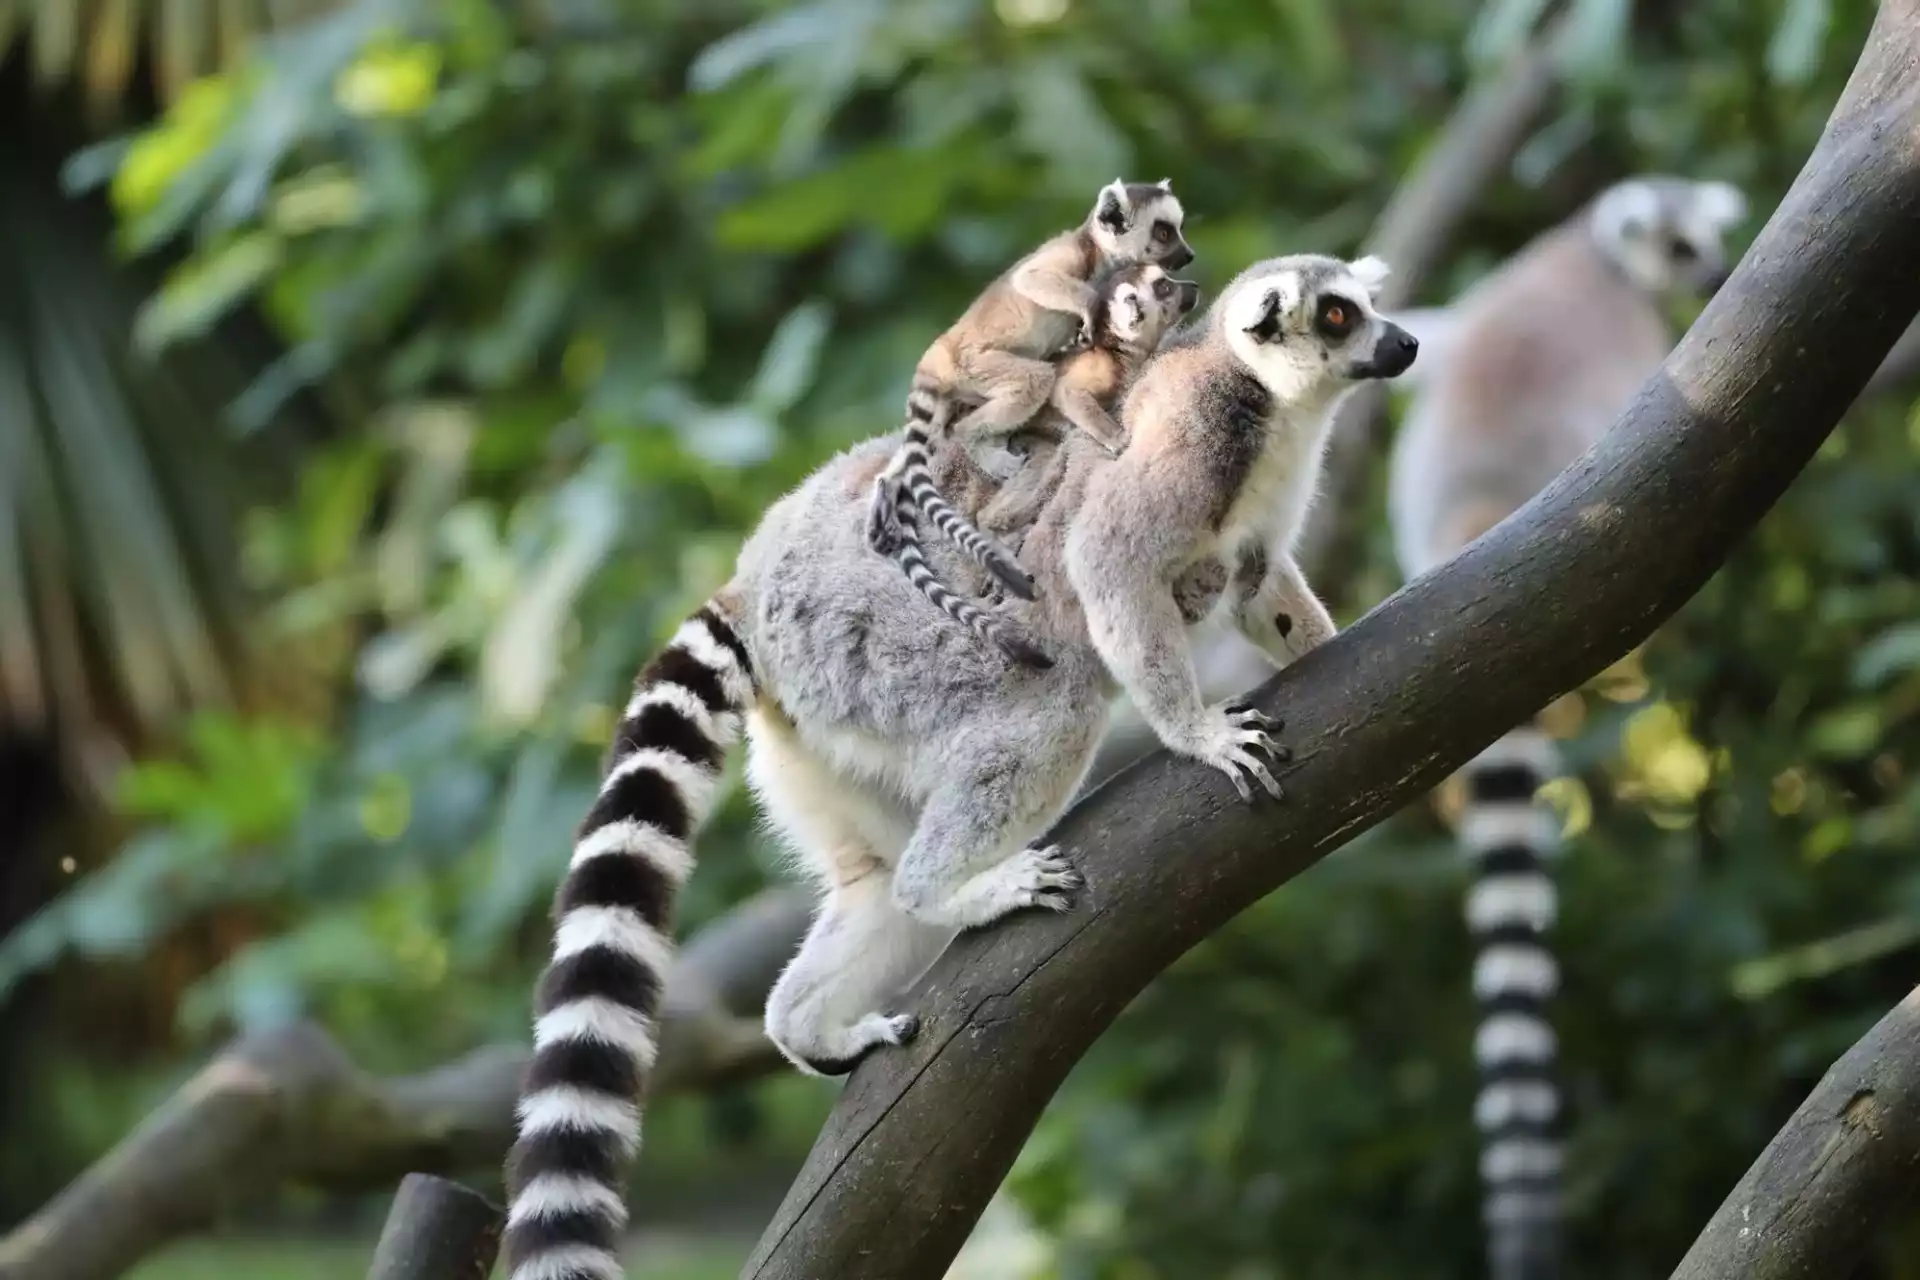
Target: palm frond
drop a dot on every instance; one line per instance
(119, 484)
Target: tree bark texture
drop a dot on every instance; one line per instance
(289, 1106)
(923, 1135)
(1848, 1158)
(437, 1230)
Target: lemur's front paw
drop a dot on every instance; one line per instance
(1229, 743)
(1042, 878)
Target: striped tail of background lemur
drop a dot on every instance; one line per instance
(1544, 354)
(596, 1010)
(1138, 305)
(998, 357)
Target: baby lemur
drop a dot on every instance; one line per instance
(913, 772)
(1139, 304)
(1000, 354)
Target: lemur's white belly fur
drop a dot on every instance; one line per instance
(1272, 505)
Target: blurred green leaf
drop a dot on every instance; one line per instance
(1793, 55)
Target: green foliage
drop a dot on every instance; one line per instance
(589, 297)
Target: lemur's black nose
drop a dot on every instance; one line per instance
(1393, 353)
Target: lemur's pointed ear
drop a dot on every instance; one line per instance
(1371, 272)
(1723, 203)
(1112, 209)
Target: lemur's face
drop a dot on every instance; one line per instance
(1667, 234)
(1306, 321)
(1145, 302)
(1141, 222)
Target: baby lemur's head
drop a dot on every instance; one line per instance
(1306, 324)
(1665, 233)
(1139, 303)
(1140, 222)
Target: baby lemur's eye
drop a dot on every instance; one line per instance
(1682, 250)
(1336, 317)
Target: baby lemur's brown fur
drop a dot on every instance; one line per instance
(1138, 305)
(995, 367)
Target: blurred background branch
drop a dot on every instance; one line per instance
(288, 1106)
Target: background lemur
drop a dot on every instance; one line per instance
(1000, 352)
(1542, 355)
(912, 770)
(1139, 304)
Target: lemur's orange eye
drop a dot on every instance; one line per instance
(1335, 319)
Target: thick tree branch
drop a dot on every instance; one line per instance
(289, 1106)
(1414, 234)
(1847, 1160)
(437, 1230)
(923, 1135)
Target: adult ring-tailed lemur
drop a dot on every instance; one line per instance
(910, 766)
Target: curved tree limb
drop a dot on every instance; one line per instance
(923, 1135)
(1847, 1160)
(1413, 234)
(289, 1105)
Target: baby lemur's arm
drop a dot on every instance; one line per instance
(1081, 405)
(1084, 381)
(1055, 277)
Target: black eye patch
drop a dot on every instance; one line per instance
(1681, 250)
(1336, 316)
(1163, 230)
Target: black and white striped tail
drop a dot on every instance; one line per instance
(908, 481)
(910, 558)
(595, 1011)
(1510, 839)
